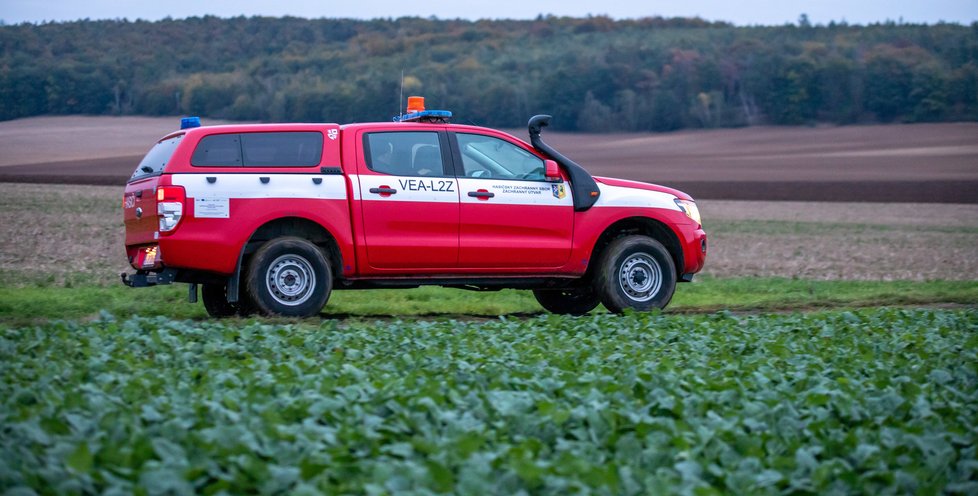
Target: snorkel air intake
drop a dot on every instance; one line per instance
(583, 186)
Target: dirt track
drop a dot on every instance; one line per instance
(934, 163)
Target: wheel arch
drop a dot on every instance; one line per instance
(645, 226)
(300, 227)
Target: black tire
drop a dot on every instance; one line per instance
(290, 277)
(571, 301)
(635, 272)
(245, 304)
(216, 301)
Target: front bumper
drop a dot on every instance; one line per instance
(694, 252)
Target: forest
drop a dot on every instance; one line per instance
(592, 74)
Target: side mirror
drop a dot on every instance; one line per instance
(552, 171)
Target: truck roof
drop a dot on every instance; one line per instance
(252, 127)
(309, 126)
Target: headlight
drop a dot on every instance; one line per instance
(689, 208)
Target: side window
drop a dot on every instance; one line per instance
(404, 153)
(218, 150)
(294, 149)
(275, 149)
(489, 157)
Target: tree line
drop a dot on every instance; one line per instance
(592, 74)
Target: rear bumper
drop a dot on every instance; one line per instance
(142, 278)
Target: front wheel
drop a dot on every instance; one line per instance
(635, 272)
(576, 301)
(290, 277)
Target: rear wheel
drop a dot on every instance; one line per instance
(635, 272)
(290, 277)
(217, 305)
(576, 301)
(216, 301)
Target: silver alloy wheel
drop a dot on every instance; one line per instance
(290, 279)
(640, 277)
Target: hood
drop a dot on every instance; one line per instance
(622, 183)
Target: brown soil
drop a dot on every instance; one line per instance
(898, 163)
(935, 163)
(863, 241)
(94, 171)
(41, 140)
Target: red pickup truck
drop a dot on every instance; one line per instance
(272, 218)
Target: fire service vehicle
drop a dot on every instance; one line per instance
(271, 218)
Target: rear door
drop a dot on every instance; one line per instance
(409, 201)
(139, 200)
(510, 215)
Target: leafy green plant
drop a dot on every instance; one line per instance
(872, 401)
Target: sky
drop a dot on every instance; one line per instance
(742, 12)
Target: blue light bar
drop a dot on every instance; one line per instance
(189, 122)
(425, 115)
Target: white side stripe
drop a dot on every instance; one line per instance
(409, 188)
(617, 196)
(330, 187)
(517, 192)
(450, 189)
(355, 186)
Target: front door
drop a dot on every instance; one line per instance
(511, 216)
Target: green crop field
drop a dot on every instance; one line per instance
(876, 401)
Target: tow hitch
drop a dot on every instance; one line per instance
(142, 279)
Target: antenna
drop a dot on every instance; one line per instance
(400, 98)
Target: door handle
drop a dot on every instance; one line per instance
(481, 194)
(383, 190)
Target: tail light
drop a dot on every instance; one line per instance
(148, 257)
(169, 206)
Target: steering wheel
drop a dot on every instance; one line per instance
(535, 173)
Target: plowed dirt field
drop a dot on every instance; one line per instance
(933, 163)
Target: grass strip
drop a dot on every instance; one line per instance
(34, 304)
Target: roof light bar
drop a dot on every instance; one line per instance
(417, 113)
(189, 122)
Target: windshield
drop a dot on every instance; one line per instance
(154, 161)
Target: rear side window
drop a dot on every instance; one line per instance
(155, 160)
(218, 149)
(280, 149)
